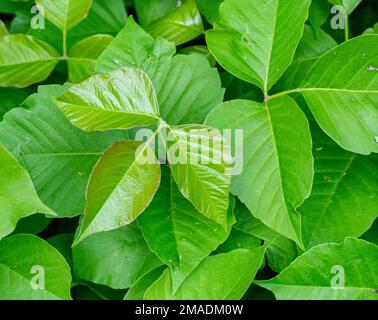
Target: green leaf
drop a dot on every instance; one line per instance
(95, 258)
(120, 187)
(372, 234)
(118, 100)
(133, 47)
(276, 176)
(179, 26)
(58, 156)
(65, 14)
(210, 9)
(62, 242)
(310, 48)
(150, 11)
(318, 14)
(343, 201)
(104, 17)
(18, 198)
(203, 50)
(138, 289)
(26, 258)
(189, 90)
(349, 5)
(187, 87)
(83, 57)
(200, 160)
(25, 60)
(251, 40)
(342, 94)
(176, 232)
(280, 251)
(225, 276)
(326, 263)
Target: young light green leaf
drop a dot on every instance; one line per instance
(95, 258)
(276, 177)
(179, 26)
(18, 198)
(225, 276)
(343, 201)
(117, 100)
(83, 56)
(65, 14)
(186, 86)
(120, 187)
(31, 269)
(342, 92)
(251, 40)
(334, 275)
(200, 160)
(25, 60)
(176, 232)
(58, 156)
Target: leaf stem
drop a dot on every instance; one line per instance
(65, 55)
(283, 93)
(346, 27)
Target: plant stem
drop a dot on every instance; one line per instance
(283, 93)
(65, 55)
(346, 27)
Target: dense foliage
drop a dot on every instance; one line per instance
(119, 180)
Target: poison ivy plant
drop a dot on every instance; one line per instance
(193, 149)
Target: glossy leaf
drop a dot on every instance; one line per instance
(176, 232)
(200, 160)
(25, 256)
(58, 156)
(179, 26)
(18, 198)
(83, 57)
(276, 177)
(95, 257)
(120, 187)
(329, 264)
(25, 60)
(251, 40)
(225, 276)
(65, 14)
(118, 100)
(345, 106)
(3, 29)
